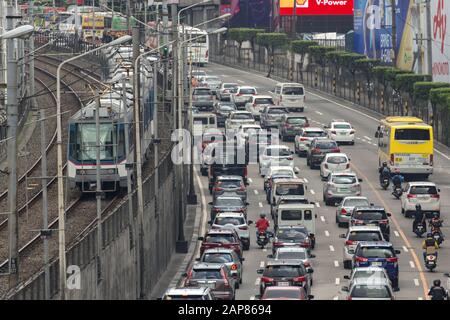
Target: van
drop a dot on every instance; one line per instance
(204, 121)
(289, 95)
(296, 214)
(287, 187)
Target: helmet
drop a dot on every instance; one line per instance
(437, 283)
(385, 164)
(397, 170)
(418, 207)
(429, 235)
(262, 215)
(435, 215)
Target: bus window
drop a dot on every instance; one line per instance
(412, 134)
(307, 214)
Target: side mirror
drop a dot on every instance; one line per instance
(397, 251)
(312, 256)
(326, 127)
(209, 222)
(389, 214)
(260, 271)
(377, 134)
(270, 256)
(372, 204)
(447, 274)
(249, 222)
(312, 202)
(315, 216)
(247, 204)
(439, 190)
(310, 297)
(310, 270)
(292, 152)
(296, 171)
(242, 259)
(210, 203)
(201, 238)
(345, 289)
(347, 277)
(342, 236)
(360, 180)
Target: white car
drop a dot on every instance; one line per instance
(373, 274)
(334, 162)
(303, 140)
(224, 91)
(242, 95)
(424, 193)
(257, 104)
(341, 131)
(236, 221)
(243, 131)
(284, 171)
(236, 119)
(275, 155)
(354, 235)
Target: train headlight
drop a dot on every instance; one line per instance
(82, 172)
(112, 171)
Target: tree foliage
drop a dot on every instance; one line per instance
(405, 82)
(438, 96)
(302, 46)
(272, 40)
(318, 53)
(243, 34)
(421, 90)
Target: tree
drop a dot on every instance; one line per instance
(405, 84)
(301, 47)
(318, 56)
(365, 66)
(347, 61)
(421, 94)
(272, 41)
(243, 34)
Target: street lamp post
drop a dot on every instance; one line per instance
(61, 208)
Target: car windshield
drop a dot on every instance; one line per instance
(344, 179)
(295, 91)
(212, 79)
(300, 255)
(198, 274)
(229, 183)
(423, 190)
(242, 116)
(247, 91)
(254, 129)
(326, 144)
(230, 85)
(227, 107)
(278, 152)
(412, 134)
(217, 257)
(283, 173)
(337, 160)
(229, 202)
(290, 235)
(277, 111)
(314, 134)
(235, 221)
(184, 297)
(264, 101)
(202, 92)
(370, 291)
(296, 120)
(369, 274)
(342, 126)
(376, 252)
(370, 215)
(364, 236)
(288, 271)
(355, 203)
(220, 238)
(290, 189)
(280, 293)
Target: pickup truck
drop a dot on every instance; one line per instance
(236, 119)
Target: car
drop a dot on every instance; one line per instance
(221, 238)
(291, 236)
(294, 253)
(372, 274)
(290, 94)
(244, 130)
(205, 147)
(275, 155)
(224, 91)
(236, 119)
(230, 185)
(203, 99)
(189, 293)
(372, 216)
(284, 200)
(236, 221)
(317, 151)
(212, 82)
(285, 293)
(291, 125)
(365, 289)
(378, 254)
(354, 235)
(227, 257)
(228, 203)
(222, 110)
(424, 193)
(334, 162)
(345, 209)
(213, 275)
(257, 103)
(284, 273)
(341, 131)
(256, 142)
(271, 116)
(281, 171)
(303, 139)
(198, 73)
(242, 95)
(339, 186)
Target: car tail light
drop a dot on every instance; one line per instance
(315, 150)
(347, 166)
(352, 131)
(290, 158)
(234, 266)
(435, 196)
(303, 139)
(343, 212)
(411, 196)
(383, 222)
(216, 209)
(238, 94)
(218, 189)
(349, 242)
(277, 244)
(392, 159)
(305, 244)
(336, 150)
(241, 210)
(333, 132)
(254, 105)
(358, 221)
(243, 228)
(300, 279)
(431, 159)
(266, 279)
(242, 188)
(361, 259)
(395, 259)
(349, 298)
(307, 264)
(326, 166)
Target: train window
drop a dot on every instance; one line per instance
(86, 142)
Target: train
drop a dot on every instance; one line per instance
(116, 115)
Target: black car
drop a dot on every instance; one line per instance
(222, 110)
(285, 273)
(291, 236)
(318, 149)
(228, 204)
(372, 216)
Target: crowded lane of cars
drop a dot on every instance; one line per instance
(378, 242)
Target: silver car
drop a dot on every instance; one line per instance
(339, 186)
(303, 139)
(224, 91)
(365, 289)
(212, 82)
(230, 185)
(271, 116)
(345, 209)
(236, 221)
(373, 274)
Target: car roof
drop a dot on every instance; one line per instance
(246, 87)
(221, 231)
(369, 208)
(230, 214)
(230, 177)
(371, 282)
(241, 111)
(289, 84)
(364, 228)
(228, 197)
(250, 125)
(375, 244)
(291, 288)
(336, 154)
(422, 183)
(290, 180)
(284, 262)
(261, 96)
(219, 250)
(349, 173)
(355, 198)
(313, 129)
(207, 265)
(187, 291)
(321, 139)
(370, 268)
(277, 146)
(292, 249)
(275, 168)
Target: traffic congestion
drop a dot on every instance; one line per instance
(329, 202)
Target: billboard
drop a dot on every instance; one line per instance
(316, 7)
(440, 10)
(373, 32)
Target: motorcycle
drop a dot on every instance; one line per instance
(398, 191)
(430, 262)
(436, 232)
(385, 183)
(263, 239)
(420, 229)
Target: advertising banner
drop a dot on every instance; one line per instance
(316, 7)
(440, 11)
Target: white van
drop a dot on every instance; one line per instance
(296, 214)
(204, 121)
(290, 95)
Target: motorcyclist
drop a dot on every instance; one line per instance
(430, 246)
(385, 172)
(397, 179)
(436, 224)
(419, 217)
(437, 292)
(262, 224)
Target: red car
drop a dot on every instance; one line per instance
(221, 238)
(285, 293)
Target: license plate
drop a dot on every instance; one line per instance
(430, 262)
(343, 190)
(342, 133)
(377, 264)
(211, 285)
(284, 284)
(262, 237)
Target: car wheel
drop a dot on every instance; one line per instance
(347, 264)
(236, 285)
(352, 143)
(342, 224)
(247, 246)
(204, 172)
(337, 221)
(307, 162)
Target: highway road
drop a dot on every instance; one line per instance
(328, 269)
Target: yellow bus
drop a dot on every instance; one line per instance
(406, 144)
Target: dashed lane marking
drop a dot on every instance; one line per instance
(258, 281)
(327, 234)
(250, 180)
(317, 205)
(416, 282)
(256, 192)
(338, 281)
(319, 113)
(411, 264)
(405, 249)
(336, 263)
(367, 138)
(331, 248)
(261, 264)
(306, 180)
(260, 205)
(252, 298)
(396, 233)
(297, 169)
(312, 192)
(265, 250)
(322, 218)
(336, 298)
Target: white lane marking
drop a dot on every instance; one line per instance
(327, 234)
(367, 138)
(260, 205)
(317, 205)
(396, 233)
(416, 282)
(312, 191)
(256, 191)
(250, 180)
(405, 249)
(336, 263)
(252, 298)
(304, 179)
(265, 250)
(376, 145)
(336, 298)
(420, 298)
(331, 248)
(319, 113)
(258, 281)
(338, 281)
(322, 218)
(412, 265)
(297, 169)
(358, 138)
(240, 81)
(261, 264)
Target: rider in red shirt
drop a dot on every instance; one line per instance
(262, 224)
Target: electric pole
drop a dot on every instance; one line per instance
(429, 39)
(394, 33)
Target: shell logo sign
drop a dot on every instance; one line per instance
(316, 7)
